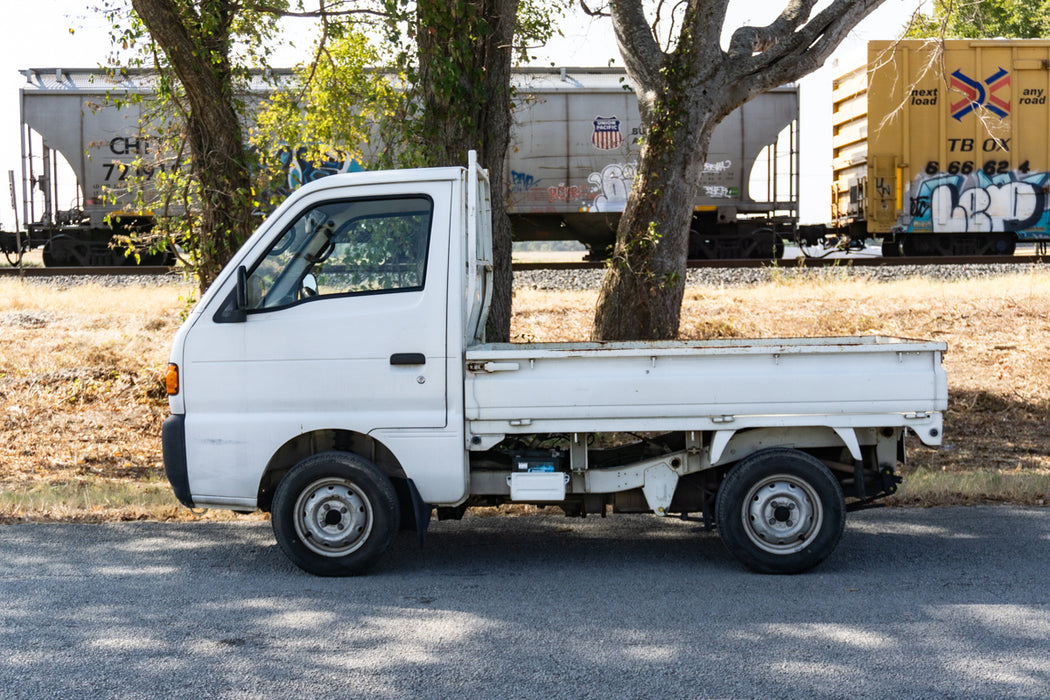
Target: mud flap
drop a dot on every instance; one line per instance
(418, 516)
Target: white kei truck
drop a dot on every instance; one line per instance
(336, 374)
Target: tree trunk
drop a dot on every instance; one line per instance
(495, 133)
(682, 95)
(465, 85)
(197, 44)
(641, 293)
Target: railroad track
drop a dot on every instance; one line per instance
(859, 261)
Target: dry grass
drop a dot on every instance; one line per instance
(81, 395)
(81, 400)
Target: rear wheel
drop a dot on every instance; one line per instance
(780, 511)
(335, 514)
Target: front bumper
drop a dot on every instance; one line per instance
(173, 441)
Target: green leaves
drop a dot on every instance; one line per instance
(334, 104)
(199, 56)
(977, 19)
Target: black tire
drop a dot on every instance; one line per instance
(335, 514)
(758, 509)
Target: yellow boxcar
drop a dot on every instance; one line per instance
(941, 148)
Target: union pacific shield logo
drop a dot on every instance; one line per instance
(606, 134)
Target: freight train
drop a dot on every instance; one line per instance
(575, 143)
(70, 117)
(938, 149)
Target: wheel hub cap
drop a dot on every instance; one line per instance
(333, 517)
(781, 514)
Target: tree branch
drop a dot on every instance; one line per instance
(747, 41)
(600, 12)
(798, 51)
(711, 15)
(321, 12)
(641, 53)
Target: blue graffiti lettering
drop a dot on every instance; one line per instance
(301, 170)
(521, 182)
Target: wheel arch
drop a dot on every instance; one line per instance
(327, 440)
(730, 446)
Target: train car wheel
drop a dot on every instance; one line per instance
(891, 249)
(62, 251)
(1004, 245)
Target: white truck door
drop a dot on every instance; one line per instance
(345, 323)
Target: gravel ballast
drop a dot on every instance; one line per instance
(589, 279)
(728, 277)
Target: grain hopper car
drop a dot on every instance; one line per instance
(68, 116)
(575, 146)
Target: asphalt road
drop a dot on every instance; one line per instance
(948, 602)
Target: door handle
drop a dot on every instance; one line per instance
(408, 358)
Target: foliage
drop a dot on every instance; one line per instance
(443, 52)
(200, 55)
(979, 19)
(335, 104)
(330, 109)
(385, 102)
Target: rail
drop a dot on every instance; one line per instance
(796, 263)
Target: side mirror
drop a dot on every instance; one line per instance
(308, 288)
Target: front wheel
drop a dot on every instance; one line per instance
(780, 511)
(335, 514)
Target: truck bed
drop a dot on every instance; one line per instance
(705, 385)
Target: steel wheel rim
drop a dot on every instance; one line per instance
(333, 517)
(782, 514)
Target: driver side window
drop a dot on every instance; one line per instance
(345, 247)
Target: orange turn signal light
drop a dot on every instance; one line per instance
(171, 379)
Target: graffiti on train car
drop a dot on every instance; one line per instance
(521, 182)
(302, 167)
(607, 189)
(982, 200)
(612, 184)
